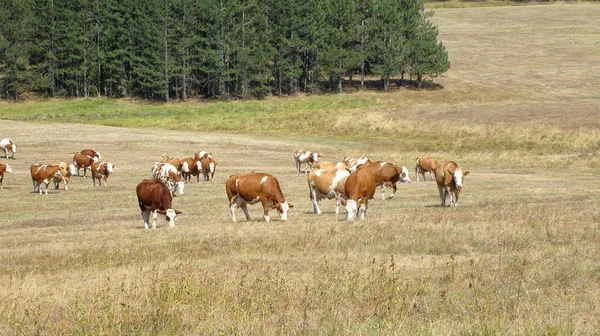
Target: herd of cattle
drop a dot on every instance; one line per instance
(351, 182)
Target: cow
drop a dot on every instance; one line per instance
(359, 189)
(101, 170)
(66, 170)
(424, 165)
(388, 174)
(355, 161)
(83, 161)
(189, 168)
(327, 183)
(330, 164)
(8, 146)
(308, 158)
(4, 169)
(449, 177)
(92, 153)
(167, 173)
(250, 188)
(208, 165)
(177, 163)
(154, 197)
(42, 174)
(201, 154)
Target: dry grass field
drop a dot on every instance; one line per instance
(519, 255)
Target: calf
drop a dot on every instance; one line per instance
(83, 161)
(8, 146)
(66, 170)
(208, 165)
(386, 173)
(177, 163)
(154, 197)
(424, 165)
(101, 170)
(327, 183)
(92, 153)
(355, 161)
(244, 189)
(167, 173)
(4, 169)
(308, 158)
(189, 168)
(449, 177)
(330, 164)
(42, 174)
(360, 188)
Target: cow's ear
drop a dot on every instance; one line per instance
(162, 212)
(290, 205)
(466, 173)
(177, 212)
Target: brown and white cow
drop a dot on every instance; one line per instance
(66, 170)
(329, 165)
(208, 165)
(189, 168)
(92, 153)
(424, 165)
(4, 169)
(101, 170)
(355, 161)
(327, 183)
(177, 163)
(449, 177)
(42, 174)
(167, 173)
(8, 146)
(201, 154)
(83, 161)
(308, 158)
(154, 197)
(360, 188)
(250, 188)
(386, 174)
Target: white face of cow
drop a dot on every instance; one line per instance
(315, 157)
(8, 169)
(14, 148)
(458, 178)
(170, 216)
(109, 167)
(185, 167)
(99, 155)
(283, 210)
(72, 169)
(212, 167)
(180, 186)
(95, 158)
(404, 175)
(351, 210)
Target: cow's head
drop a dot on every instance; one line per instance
(403, 174)
(212, 166)
(180, 186)
(458, 178)
(8, 169)
(13, 147)
(283, 208)
(169, 215)
(351, 210)
(99, 155)
(315, 157)
(185, 167)
(72, 169)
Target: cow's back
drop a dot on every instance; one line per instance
(153, 194)
(444, 173)
(427, 164)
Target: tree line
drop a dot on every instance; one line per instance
(177, 49)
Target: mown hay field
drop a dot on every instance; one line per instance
(518, 255)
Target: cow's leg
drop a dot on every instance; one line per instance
(417, 172)
(442, 195)
(452, 198)
(65, 182)
(232, 206)
(313, 198)
(5, 152)
(146, 218)
(56, 183)
(363, 210)
(431, 176)
(337, 203)
(265, 204)
(297, 166)
(154, 216)
(45, 182)
(382, 191)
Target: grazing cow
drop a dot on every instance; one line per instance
(83, 161)
(101, 170)
(66, 170)
(327, 183)
(8, 146)
(189, 168)
(449, 177)
(154, 196)
(330, 164)
(360, 188)
(355, 161)
(388, 174)
(201, 154)
(208, 165)
(4, 169)
(244, 189)
(308, 158)
(167, 173)
(424, 165)
(42, 174)
(92, 153)
(177, 163)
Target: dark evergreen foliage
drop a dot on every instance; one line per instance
(177, 49)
